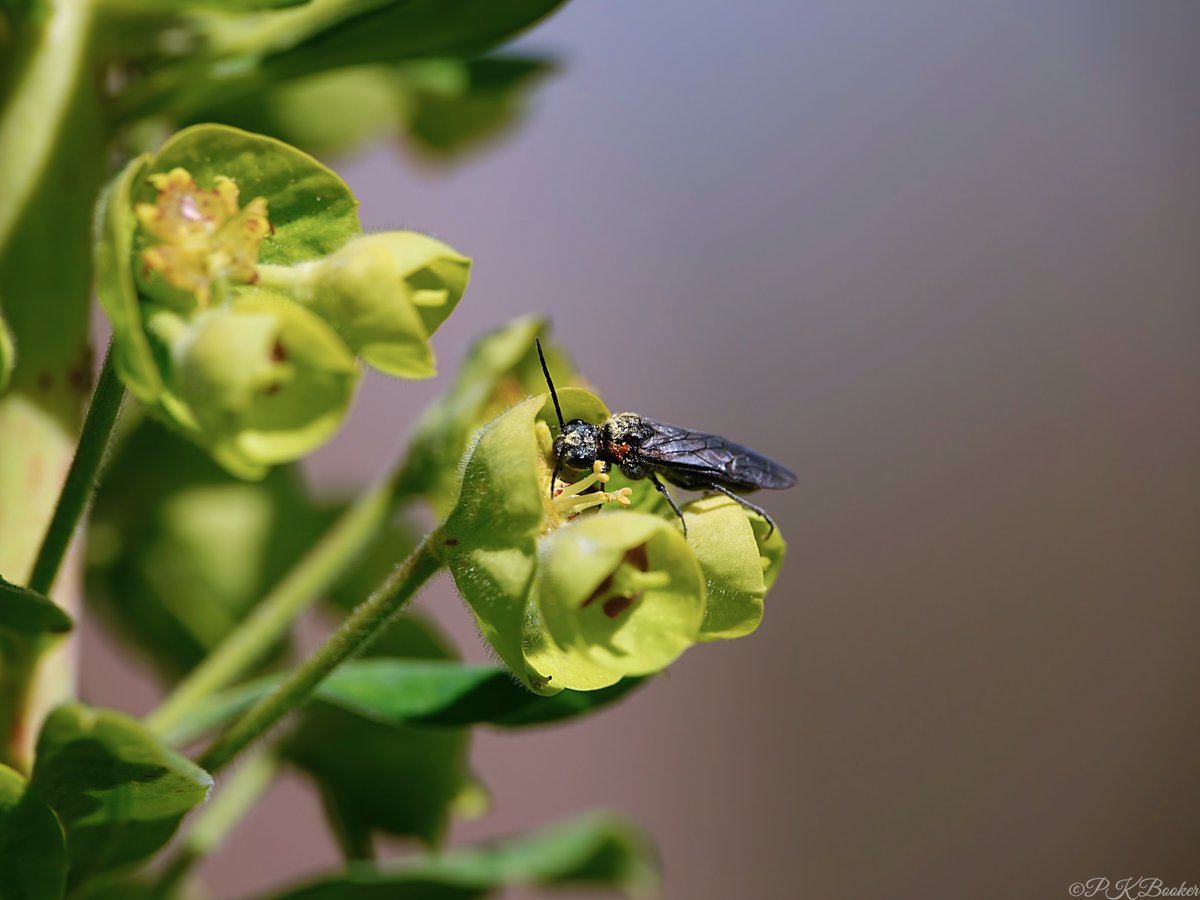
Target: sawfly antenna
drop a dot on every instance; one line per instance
(550, 383)
(557, 409)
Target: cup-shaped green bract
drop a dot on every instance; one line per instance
(616, 593)
(740, 557)
(263, 380)
(385, 294)
(249, 374)
(573, 591)
(499, 369)
(242, 293)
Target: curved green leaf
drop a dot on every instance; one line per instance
(118, 792)
(455, 106)
(445, 107)
(421, 692)
(597, 850)
(28, 612)
(33, 857)
(400, 780)
(247, 55)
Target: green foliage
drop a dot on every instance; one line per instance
(33, 857)
(445, 108)
(382, 774)
(395, 779)
(118, 793)
(180, 551)
(245, 302)
(323, 36)
(590, 851)
(426, 692)
(28, 612)
(240, 290)
(454, 106)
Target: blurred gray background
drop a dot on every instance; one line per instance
(940, 258)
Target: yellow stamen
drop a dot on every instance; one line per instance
(569, 500)
(207, 238)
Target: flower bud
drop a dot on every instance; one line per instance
(261, 379)
(385, 294)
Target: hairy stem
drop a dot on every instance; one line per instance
(81, 477)
(319, 570)
(351, 637)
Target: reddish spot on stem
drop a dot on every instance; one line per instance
(614, 606)
(79, 376)
(278, 352)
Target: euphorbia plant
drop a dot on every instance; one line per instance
(245, 302)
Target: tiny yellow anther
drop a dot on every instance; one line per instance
(570, 499)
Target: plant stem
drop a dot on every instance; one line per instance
(351, 637)
(54, 68)
(52, 134)
(320, 568)
(81, 477)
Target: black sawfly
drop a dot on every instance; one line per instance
(642, 448)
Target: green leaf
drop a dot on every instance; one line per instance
(118, 792)
(399, 780)
(28, 612)
(189, 6)
(33, 856)
(380, 774)
(179, 551)
(598, 850)
(420, 692)
(456, 106)
(446, 107)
